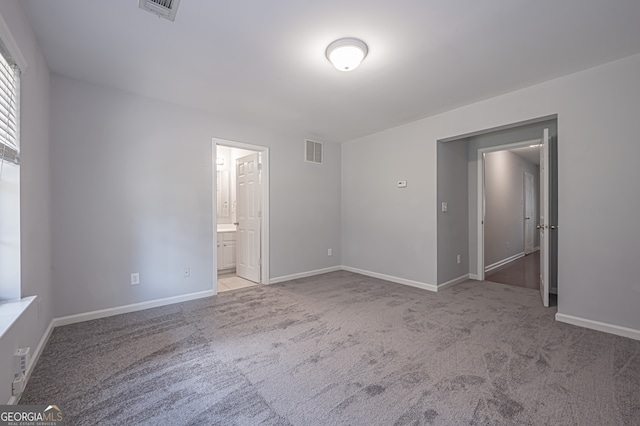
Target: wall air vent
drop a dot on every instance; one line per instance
(313, 152)
(163, 8)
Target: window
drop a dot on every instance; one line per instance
(9, 121)
(9, 177)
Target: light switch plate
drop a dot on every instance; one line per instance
(402, 184)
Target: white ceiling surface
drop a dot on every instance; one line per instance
(262, 62)
(531, 154)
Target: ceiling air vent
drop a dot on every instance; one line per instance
(313, 152)
(163, 8)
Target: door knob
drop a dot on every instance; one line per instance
(527, 218)
(554, 227)
(538, 226)
(236, 223)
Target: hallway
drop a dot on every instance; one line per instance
(523, 272)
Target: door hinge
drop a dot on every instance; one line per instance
(260, 213)
(259, 166)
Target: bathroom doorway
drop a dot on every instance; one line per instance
(240, 219)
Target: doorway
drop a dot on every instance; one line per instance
(240, 215)
(509, 211)
(506, 203)
(460, 210)
(511, 197)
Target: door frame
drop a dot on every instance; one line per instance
(481, 190)
(524, 211)
(264, 228)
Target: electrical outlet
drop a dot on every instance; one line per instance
(186, 272)
(329, 252)
(17, 385)
(135, 278)
(445, 207)
(507, 245)
(459, 259)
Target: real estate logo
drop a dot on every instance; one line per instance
(30, 415)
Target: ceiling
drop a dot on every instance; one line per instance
(262, 63)
(529, 153)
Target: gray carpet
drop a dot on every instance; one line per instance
(341, 348)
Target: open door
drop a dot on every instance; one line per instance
(248, 217)
(543, 224)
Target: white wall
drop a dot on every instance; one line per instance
(132, 179)
(504, 205)
(9, 231)
(453, 229)
(35, 226)
(597, 153)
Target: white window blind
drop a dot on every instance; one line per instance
(9, 110)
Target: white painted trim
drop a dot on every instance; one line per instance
(453, 282)
(503, 262)
(34, 358)
(474, 277)
(304, 274)
(12, 46)
(264, 231)
(102, 313)
(36, 354)
(599, 326)
(418, 284)
(11, 310)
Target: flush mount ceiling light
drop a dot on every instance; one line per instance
(346, 53)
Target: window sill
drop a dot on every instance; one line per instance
(11, 310)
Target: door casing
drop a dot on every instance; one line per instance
(264, 229)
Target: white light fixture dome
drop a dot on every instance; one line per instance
(346, 53)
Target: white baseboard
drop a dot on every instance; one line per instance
(391, 278)
(498, 264)
(102, 313)
(33, 360)
(474, 277)
(599, 326)
(303, 274)
(453, 282)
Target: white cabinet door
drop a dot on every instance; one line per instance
(229, 249)
(220, 253)
(226, 248)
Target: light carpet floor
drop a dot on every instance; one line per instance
(337, 349)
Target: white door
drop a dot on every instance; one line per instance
(248, 217)
(529, 213)
(543, 224)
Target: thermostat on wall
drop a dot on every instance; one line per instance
(402, 184)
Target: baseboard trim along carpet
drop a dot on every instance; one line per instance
(33, 359)
(391, 278)
(499, 263)
(102, 313)
(304, 274)
(453, 282)
(599, 326)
